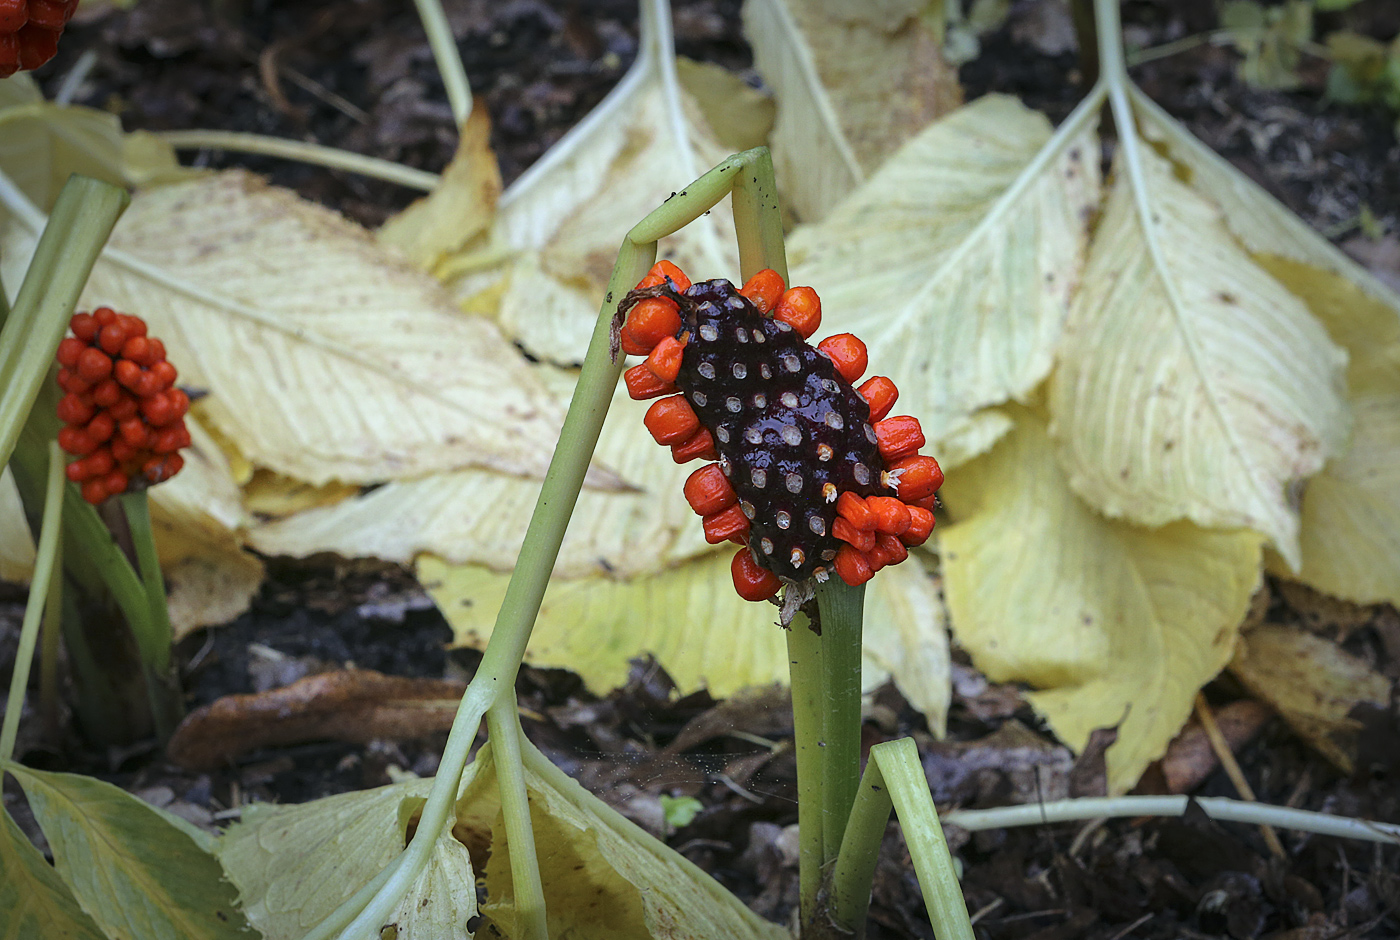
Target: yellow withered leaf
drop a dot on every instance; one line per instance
(324, 357)
(1191, 384)
(956, 262)
(853, 81)
(1109, 621)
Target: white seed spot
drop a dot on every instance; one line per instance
(791, 435)
(754, 435)
(783, 519)
(828, 554)
(824, 452)
(741, 334)
(798, 557)
(862, 473)
(706, 369)
(758, 336)
(791, 362)
(764, 371)
(699, 398)
(722, 433)
(732, 403)
(725, 466)
(740, 370)
(828, 491)
(782, 325)
(830, 385)
(766, 545)
(833, 420)
(818, 525)
(789, 399)
(708, 332)
(794, 482)
(760, 400)
(821, 574)
(746, 508)
(759, 477)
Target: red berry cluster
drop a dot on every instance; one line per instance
(124, 417)
(29, 31)
(811, 476)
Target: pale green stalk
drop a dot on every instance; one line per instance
(808, 724)
(303, 152)
(45, 563)
(1259, 814)
(363, 914)
(449, 61)
(503, 724)
(154, 634)
(841, 609)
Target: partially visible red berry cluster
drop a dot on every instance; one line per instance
(125, 418)
(29, 31)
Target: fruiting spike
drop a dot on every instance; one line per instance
(801, 309)
(847, 353)
(764, 289)
(753, 582)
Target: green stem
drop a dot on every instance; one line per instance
(840, 606)
(48, 652)
(503, 723)
(303, 152)
(449, 60)
(854, 872)
(805, 678)
(44, 564)
(923, 834)
(495, 675)
(153, 633)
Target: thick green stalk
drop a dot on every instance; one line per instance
(808, 724)
(854, 873)
(153, 632)
(503, 722)
(841, 608)
(44, 565)
(362, 915)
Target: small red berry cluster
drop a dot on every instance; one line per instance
(124, 417)
(29, 31)
(810, 476)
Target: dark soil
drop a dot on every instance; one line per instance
(359, 75)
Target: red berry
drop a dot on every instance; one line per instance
(93, 366)
(94, 492)
(107, 393)
(801, 309)
(708, 491)
(898, 437)
(650, 321)
(671, 420)
(169, 440)
(133, 430)
(764, 289)
(847, 353)
(76, 441)
(74, 409)
(880, 393)
(164, 373)
(158, 409)
(127, 372)
(105, 316)
(84, 326)
(179, 401)
(123, 452)
(751, 581)
(101, 427)
(70, 349)
(112, 338)
(125, 407)
(114, 482)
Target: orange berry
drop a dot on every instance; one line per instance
(751, 580)
(891, 547)
(847, 353)
(891, 516)
(664, 359)
(921, 478)
(157, 350)
(133, 431)
(148, 383)
(168, 440)
(855, 511)
(662, 270)
(880, 394)
(158, 409)
(179, 401)
(100, 428)
(105, 316)
(862, 539)
(642, 383)
(114, 482)
(138, 350)
(851, 565)
(801, 309)
(74, 409)
(920, 527)
(164, 372)
(76, 441)
(123, 452)
(898, 437)
(124, 408)
(76, 472)
(649, 322)
(764, 289)
(94, 492)
(135, 326)
(127, 372)
(707, 490)
(726, 524)
(699, 446)
(671, 420)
